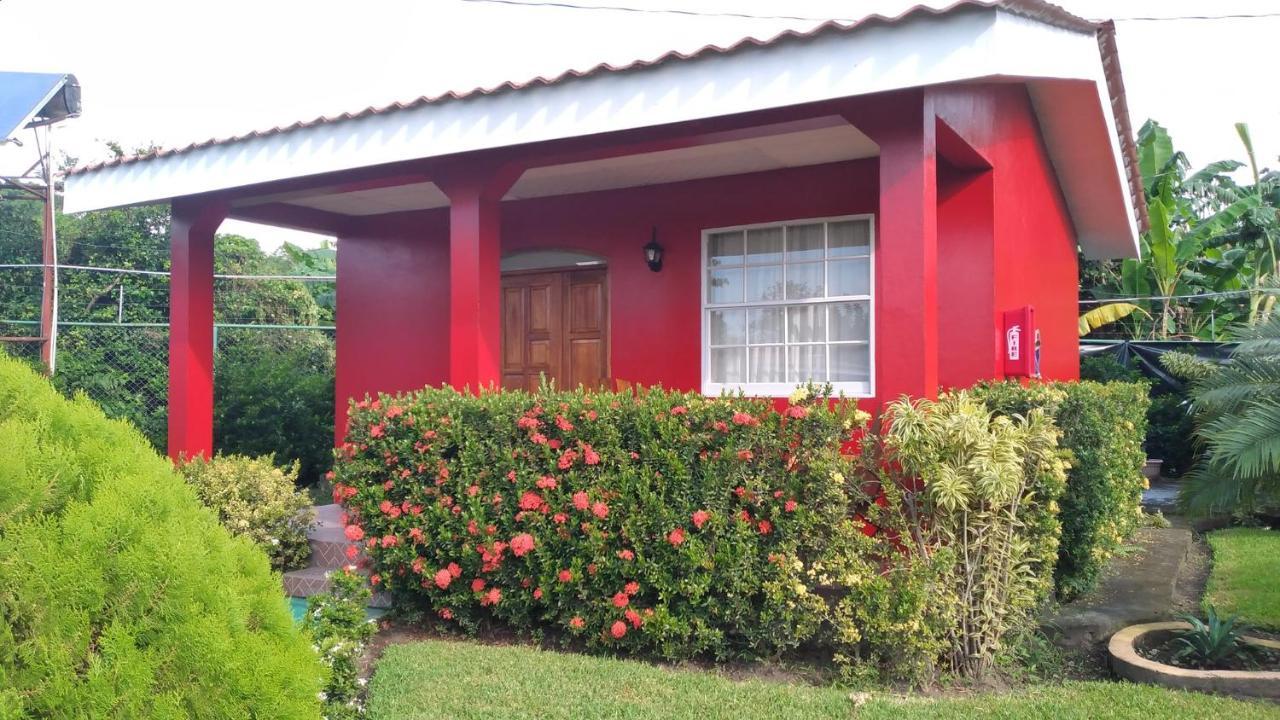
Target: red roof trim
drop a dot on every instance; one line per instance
(1124, 125)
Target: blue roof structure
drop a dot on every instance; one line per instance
(36, 97)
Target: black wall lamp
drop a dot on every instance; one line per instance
(653, 253)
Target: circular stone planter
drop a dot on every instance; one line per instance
(1129, 665)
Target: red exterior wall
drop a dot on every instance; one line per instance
(1030, 255)
(393, 304)
(1003, 239)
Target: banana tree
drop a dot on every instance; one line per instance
(1188, 216)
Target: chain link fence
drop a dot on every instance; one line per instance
(124, 368)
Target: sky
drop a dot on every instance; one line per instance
(167, 72)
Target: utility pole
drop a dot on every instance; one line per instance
(36, 101)
(49, 251)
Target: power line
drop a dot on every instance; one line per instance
(558, 4)
(655, 11)
(1231, 16)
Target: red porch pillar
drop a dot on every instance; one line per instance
(193, 224)
(906, 244)
(475, 322)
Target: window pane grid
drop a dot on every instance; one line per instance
(797, 339)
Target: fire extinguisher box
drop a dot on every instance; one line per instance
(1021, 345)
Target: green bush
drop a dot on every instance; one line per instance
(1102, 425)
(664, 523)
(677, 525)
(337, 623)
(121, 596)
(257, 500)
(976, 494)
(273, 395)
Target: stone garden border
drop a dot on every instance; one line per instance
(1128, 664)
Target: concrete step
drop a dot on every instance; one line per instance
(315, 580)
(330, 555)
(328, 538)
(306, 582)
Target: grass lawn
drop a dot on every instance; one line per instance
(1245, 579)
(457, 680)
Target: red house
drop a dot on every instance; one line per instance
(860, 204)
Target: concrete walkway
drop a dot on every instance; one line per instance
(1140, 585)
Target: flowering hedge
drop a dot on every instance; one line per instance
(663, 522)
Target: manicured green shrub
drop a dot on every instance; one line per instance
(1103, 425)
(337, 623)
(255, 499)
(120, 596)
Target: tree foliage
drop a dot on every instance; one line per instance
(1209, 233)
(1237, 410)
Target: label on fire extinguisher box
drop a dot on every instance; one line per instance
(1021, 343)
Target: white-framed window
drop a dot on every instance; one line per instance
(789, 302)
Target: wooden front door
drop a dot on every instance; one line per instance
(555, 323)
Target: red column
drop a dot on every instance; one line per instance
(475, 322)
(193, 224)
(906, 300)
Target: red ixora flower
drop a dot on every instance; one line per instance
(375, 430)
(445, 614)
(530, 500)
(477, 585)
(443, 578)
(626, 555)
(537, 593)
(765, 527)
(600, 510)
(633, 617)
(676, 537)
(620, 599)
(567, 459)
(679, 410)
(745, 454)
(563, 423)
(577, 623)
(492, 597)
(789, 506)
(741, 418)
(521, 544)
(591, 457)
(354, 533)
(797, 411)
(454, 570)
(618, 629)
(581, 501)
(565, 576)
(631, 588)
(546, 482)
(700, 518)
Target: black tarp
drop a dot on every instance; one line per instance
(1144, 355)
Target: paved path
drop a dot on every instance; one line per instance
(1140, 585)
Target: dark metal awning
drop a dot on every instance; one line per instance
(30, 99)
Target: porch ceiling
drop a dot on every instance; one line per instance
(835, 143)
